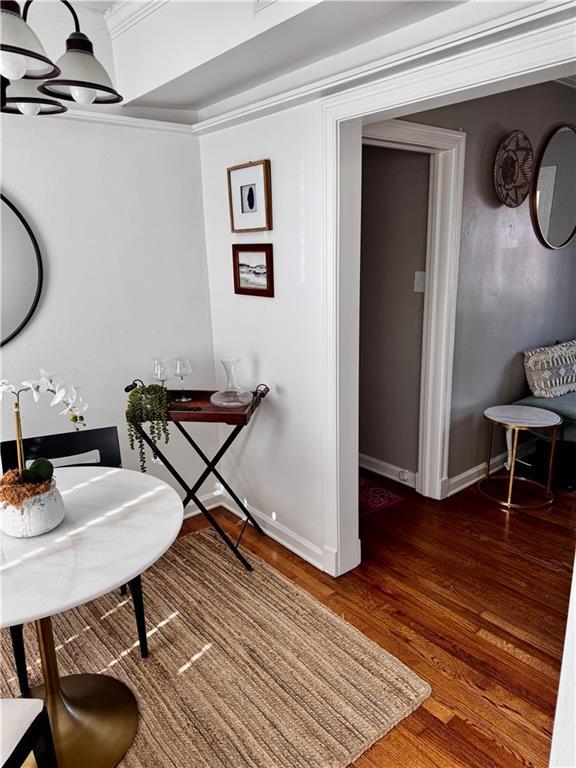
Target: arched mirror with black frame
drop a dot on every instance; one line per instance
(21, 272)
(553, 194)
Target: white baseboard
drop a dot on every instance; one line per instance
(210, 500)
(471, 476)
(336, 565)
(387, 470)
(305, 549)
(454, 484)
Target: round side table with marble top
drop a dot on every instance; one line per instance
(118, 523)
(515, 419)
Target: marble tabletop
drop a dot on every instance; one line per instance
(118, 523)
(523, 416)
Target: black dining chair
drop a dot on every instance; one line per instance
(25, 729)
(87, 447)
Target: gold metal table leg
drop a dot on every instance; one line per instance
(551, 460)
(94, 718)
(512, 466)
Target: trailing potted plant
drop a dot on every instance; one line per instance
(147, 403)
(30, 503)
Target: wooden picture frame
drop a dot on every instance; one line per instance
(250, 197)
(253, 267)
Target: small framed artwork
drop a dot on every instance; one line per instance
(250, 197)
(253, 269)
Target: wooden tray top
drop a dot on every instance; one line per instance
(201, 409)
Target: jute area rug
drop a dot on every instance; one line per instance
(246, 670)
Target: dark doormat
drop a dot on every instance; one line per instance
(374, 496)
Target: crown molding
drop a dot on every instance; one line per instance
(520, 24)
(125, 121)
(125, 14)
(107, 118)
(568, 81)
(351, 82)
(63, 19)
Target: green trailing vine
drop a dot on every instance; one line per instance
(147, 404)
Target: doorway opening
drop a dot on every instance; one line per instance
(394, 225)
(440, 156)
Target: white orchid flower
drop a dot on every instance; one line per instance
(60, 394)
(5, 386)
(44, 374)
(74, 405)
(44, 384)
(34, 387)
(72, 394)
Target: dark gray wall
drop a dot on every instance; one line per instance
(513, 293)
(394, 223)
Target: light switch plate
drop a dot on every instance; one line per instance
(419, 282)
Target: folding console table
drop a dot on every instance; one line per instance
(199, 409)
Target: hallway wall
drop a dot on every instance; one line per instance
(394, 228)
(513, 293)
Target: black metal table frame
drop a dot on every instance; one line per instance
(192, 491)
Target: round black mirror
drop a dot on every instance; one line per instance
(20, 272)
(553, 195)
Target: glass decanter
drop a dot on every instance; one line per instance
(232, 396)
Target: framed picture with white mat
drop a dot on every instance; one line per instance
(250, 197)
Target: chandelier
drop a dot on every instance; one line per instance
(34, 85)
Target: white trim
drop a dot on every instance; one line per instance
(125, 14)
(210, 501)
(542, 51)
(348, 81)
(280, 533)
(260, 5)
(387, 470)
(471, 476)
(447, 150)
(563, 751)
(38, 14)
(120, 121)
(568, 81)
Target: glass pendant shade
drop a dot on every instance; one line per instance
(21, 52)
(23, 98)
(82, 78)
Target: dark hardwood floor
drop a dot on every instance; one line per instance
(472, 598)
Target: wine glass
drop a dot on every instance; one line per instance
(162, 369)
(182, 369)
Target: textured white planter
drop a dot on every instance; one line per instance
(37, 515)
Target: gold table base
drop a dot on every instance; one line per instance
(94, 718)
(511, 477)
(505, 480)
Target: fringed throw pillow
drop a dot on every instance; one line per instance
(551, 371)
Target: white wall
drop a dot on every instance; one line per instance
(278, 465)
(563, 753)
(118, 215)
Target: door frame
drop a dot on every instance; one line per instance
(524, 53)
(446, 150)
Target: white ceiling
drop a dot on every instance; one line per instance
(315, 34)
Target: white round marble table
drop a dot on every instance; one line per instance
(515, 419)
(118, 523)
